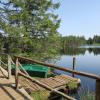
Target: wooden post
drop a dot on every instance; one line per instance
(74, 61)
(16, 74)
(0, 60)
(9, 67)
(97, 90)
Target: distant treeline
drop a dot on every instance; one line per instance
(75, 41)
(94, 40)
(70, 44)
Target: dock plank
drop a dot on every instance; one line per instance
(8, 91)
(57, 82)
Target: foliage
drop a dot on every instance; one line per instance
(1, 42)
(72, 85)
(30, 26)
(41, 95)
(90, 41)
(88, 96)
(29, 18)
(71, 43)
(94, 41)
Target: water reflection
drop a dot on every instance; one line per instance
(87, 60)
(81, 51)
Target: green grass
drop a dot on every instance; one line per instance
(72, 85)
(40, 95)
(88, 96)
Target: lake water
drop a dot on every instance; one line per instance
(87, 60)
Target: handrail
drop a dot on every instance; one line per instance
(18, 72)
(8, 65)
(12, 62)
(23, 68)
(3, 63)
(1, 69)
(97, 77)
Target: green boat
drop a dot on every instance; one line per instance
(35, 70)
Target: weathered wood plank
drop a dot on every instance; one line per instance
(9, 67)
(16, 73)
(8, 91)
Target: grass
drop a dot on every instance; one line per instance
(88, 96)
(85, 93)
(72, 85)
(40, 95)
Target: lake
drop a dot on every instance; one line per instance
(87, 60)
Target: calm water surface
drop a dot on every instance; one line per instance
(88, 61)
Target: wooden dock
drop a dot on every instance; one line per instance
(11, 87)
(8, 91)
(58, 82)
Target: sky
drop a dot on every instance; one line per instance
(79, 17)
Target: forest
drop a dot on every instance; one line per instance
(30, 28)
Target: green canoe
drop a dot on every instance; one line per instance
(35, 70)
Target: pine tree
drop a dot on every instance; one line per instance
(27, 22)
(29, 18)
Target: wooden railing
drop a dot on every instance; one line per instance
(23, 73)
(19, 72)
(93, 76)
(89, 75)
(7, 65)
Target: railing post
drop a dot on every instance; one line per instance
(74, 62)
(97, 90)
(9, 67)
(0, 60)
(16, 74)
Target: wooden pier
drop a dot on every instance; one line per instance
(59, 82)
(11, 89)
(7, 88)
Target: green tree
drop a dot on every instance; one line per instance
(90, 41)
(29, 18)
(96, 39)
(73, 41)
(1, 41)
(28, 22)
